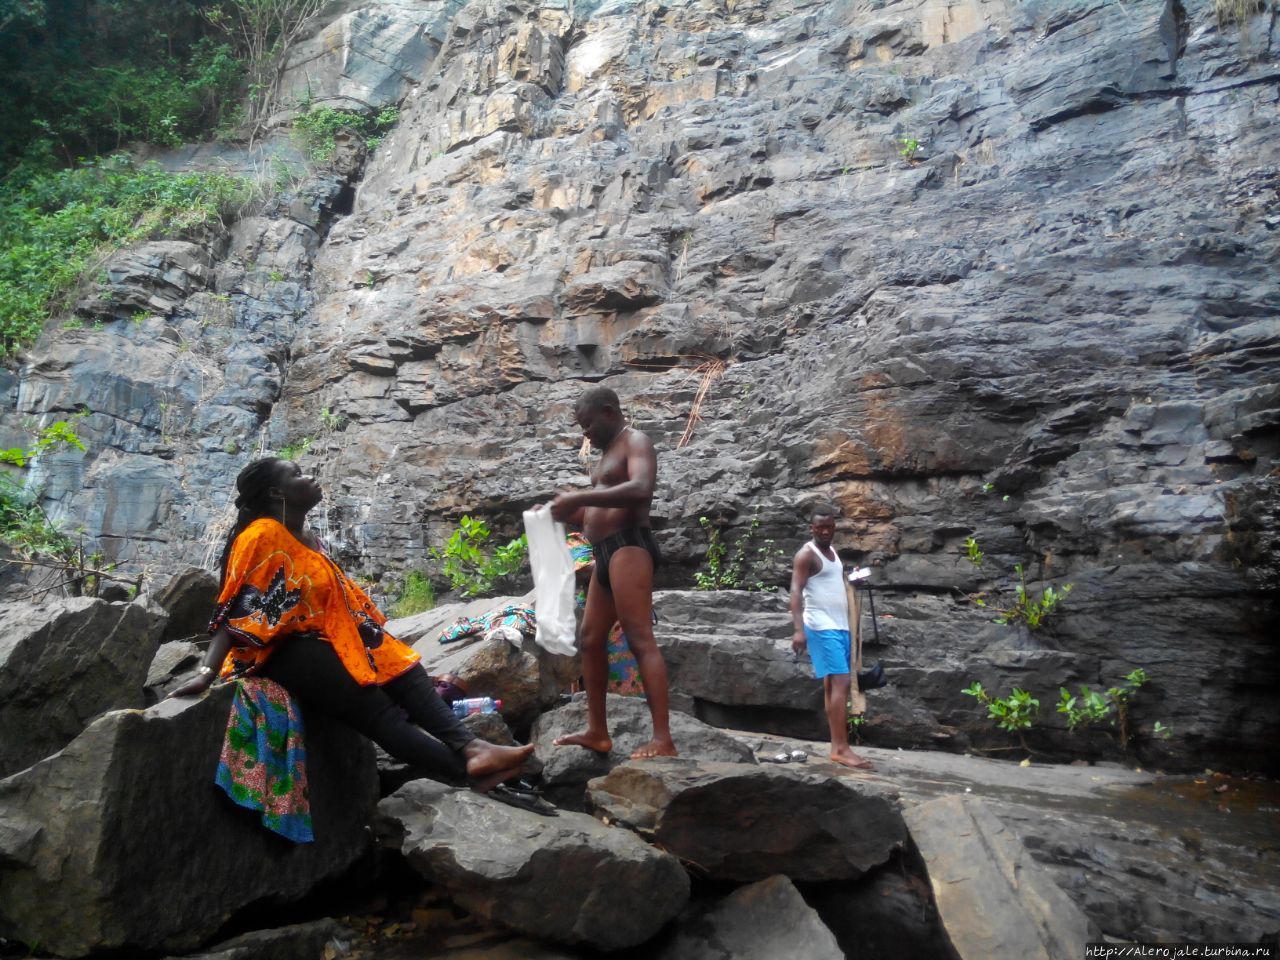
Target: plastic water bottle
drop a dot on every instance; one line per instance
(470, 705)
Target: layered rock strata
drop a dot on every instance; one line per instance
(983, 268)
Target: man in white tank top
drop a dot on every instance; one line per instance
(820, 612)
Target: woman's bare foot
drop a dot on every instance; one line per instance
(847, 758)
(656, 748)
(487, 783)
(485, 759)
(599, 742)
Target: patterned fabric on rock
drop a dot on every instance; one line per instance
(263, 765)
(514, 616)
(624, 672)
(276, 587)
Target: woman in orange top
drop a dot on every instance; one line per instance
(286, 611)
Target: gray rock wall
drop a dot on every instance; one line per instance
(980, 267)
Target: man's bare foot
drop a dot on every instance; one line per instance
(847, 758)
(599, 742)
(485, 759)
(656, 748)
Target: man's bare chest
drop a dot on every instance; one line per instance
(610, 471)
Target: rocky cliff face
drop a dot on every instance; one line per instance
(972, 267)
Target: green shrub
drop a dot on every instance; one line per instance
(417, 594)
(24, 526)
(53, 225)
(1025, 607)
(1015, 713)
(292, 451)
(94, 75)
(470, 567)
(733, 568)
(317, 126)
(1089, 706)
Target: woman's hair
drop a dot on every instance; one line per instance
(254, 488)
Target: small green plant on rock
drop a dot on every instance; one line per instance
(59, 433)
(1015, 713)
(908, 147)
(417, 594)
(1026, 607)
(469, 566)
(292, 451)
(331, 420)
(732, 568)
(27, 530)
(973, 553)
(1090, 706)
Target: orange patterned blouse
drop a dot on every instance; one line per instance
(277, 587)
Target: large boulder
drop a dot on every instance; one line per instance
(171, 667)
(566, 770)
(569, 878)
(64, 662)
(763, 921)
(121, 840)
(745, 823)
(526, 678)
(995, 901)
(188, 598)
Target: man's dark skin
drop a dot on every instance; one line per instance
(835, 687)
(621, 495)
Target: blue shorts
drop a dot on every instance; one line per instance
(828, 650)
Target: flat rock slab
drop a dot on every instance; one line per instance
(745, 823)
(567, 769)
(995, 901)
(122, 840)
(1148, 857)
(569, 879)
(300, 941)
(766, 920)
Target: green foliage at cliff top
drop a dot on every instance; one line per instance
(86, 77)
(54, 224)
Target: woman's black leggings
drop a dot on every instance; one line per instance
(404, 716)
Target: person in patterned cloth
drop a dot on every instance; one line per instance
(286, 611)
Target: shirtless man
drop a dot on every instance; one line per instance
(614, 516)
(820, 613)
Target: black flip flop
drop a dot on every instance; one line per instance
(523, 799)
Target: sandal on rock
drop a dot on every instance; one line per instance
(523, 799)
(783, 757)
(798, 756)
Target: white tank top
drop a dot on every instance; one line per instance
(825, 605)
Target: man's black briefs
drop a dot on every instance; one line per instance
(604, 550)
